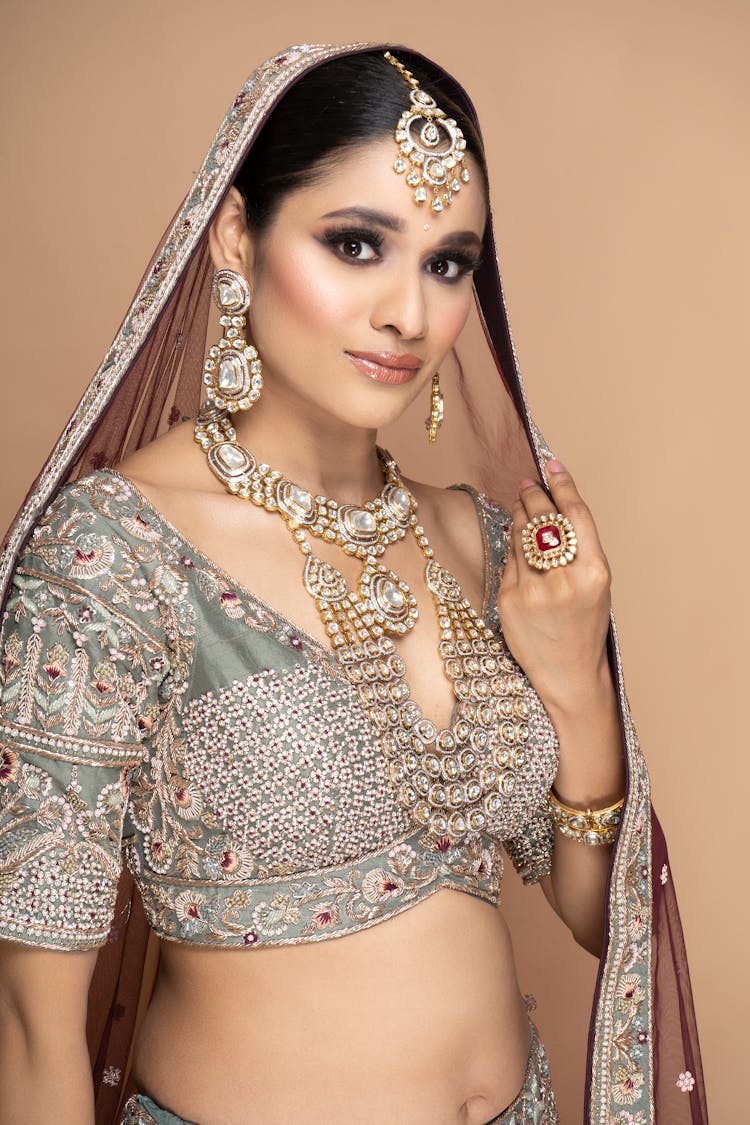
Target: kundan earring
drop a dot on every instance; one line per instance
(437, 410)
(232, 371)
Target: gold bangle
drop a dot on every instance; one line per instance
(586, 826)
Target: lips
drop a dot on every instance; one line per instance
(386, 367)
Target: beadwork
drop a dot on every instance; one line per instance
(431, 146)
(437, 773)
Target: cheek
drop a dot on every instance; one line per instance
(309, 296)
(450, 315)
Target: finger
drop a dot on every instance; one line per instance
(565, 499)
(534, 500)
(568, 501)
(537, 506)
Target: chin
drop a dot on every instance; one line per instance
(372, 418)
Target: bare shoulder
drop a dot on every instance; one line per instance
(170, 463)
(453, 513)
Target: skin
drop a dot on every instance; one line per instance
(426, 1029)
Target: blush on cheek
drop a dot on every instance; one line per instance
(307, 293)
(452, 319)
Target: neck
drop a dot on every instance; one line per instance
(317, 453)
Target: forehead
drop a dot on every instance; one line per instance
(364, 177)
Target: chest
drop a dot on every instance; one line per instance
(256, 549)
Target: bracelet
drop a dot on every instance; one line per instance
(586, 826)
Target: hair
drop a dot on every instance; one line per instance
(334, 108)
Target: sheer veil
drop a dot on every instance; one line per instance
(642, 1031)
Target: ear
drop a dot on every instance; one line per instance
(229, 238)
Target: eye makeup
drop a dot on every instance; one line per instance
(360, 236)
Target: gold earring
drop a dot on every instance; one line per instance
(233, 370)
(437, 410)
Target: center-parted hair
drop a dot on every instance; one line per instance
(337, 107)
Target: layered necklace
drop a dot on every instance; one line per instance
(454, 780)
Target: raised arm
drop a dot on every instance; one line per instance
(555, 623)
(45, 1075)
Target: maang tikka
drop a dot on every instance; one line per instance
(232, 371)
(431, 146)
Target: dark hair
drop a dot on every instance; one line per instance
(337, 106)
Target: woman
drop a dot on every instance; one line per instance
(293, 757)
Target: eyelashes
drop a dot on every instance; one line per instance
(356, 238)
(353, 236)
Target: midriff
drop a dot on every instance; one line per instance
(418, 1020)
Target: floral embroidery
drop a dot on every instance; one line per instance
(628, 1083)
(106, 748)
(188, 906)
(629, 993)
(231, 604)
(8, 765)
(628, 951)
(685, 1082)
(111, 1076)
(622, 1044)
(664, 876)
(78, 697)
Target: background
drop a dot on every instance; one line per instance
(617, 140)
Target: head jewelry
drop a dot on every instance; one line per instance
(431, 147)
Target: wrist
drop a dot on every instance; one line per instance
(589, 697)
(591, 772)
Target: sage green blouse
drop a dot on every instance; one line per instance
(156, 712)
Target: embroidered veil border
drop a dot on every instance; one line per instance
(642, 1027)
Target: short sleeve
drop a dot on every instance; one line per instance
(79, 675)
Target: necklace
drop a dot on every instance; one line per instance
(452, 781)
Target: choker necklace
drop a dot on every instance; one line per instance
(452, 781)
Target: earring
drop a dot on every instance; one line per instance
(437, 410)
(232, 372)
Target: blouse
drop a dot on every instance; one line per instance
(156, 713)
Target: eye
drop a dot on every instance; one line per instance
(453, 266)
(354, 245)
(448, 268)
(357, 249)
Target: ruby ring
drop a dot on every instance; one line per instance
(549, 541)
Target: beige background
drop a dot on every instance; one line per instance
(618, 152)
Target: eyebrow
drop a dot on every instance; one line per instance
(368, 215)
(391, 222)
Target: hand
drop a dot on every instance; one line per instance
(555, 622)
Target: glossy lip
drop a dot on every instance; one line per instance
(386, 367)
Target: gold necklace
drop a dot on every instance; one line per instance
(453, 781)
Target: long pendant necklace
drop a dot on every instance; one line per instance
(454, 780)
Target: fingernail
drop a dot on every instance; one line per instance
(555, 466)
(526, 483)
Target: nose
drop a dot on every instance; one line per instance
(401, 304)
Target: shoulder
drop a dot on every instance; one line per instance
(79, 512)
(447, 507)
(167, 464)
(102, 503)
(95, 538)
(460, 508)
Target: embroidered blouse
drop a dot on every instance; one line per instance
(153, 710)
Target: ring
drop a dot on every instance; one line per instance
(549, 541)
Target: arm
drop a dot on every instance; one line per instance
(46, 1073)
(555, 624)
(591, 775)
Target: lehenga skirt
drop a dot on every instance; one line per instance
(534, 1104)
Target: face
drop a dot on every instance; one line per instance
(358, 292)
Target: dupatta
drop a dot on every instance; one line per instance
(643, 1063)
